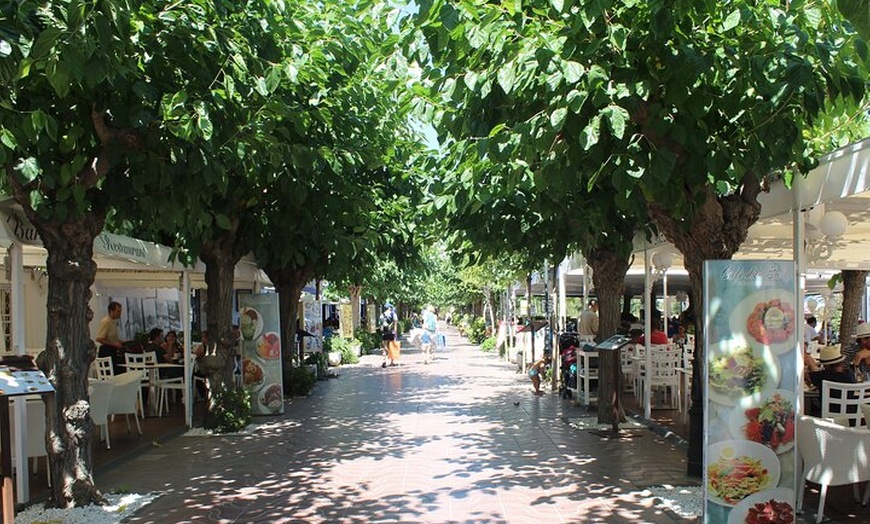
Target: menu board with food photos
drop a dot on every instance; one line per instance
(260, 328)
(753, 326)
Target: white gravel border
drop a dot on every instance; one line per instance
(120, 506)
(685, 501)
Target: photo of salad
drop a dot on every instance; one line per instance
(737, 373)
(771, 423)
(737, 469)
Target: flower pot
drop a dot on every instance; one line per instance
(333, 358)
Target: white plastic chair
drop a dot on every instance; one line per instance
(105, 369)
(196, 378)
(587, 376)
(664, 361)
(101, 392)
(35, 433)
(136, 362)
(126, 392)
(842, 402)
(833, 455)
(627, 367)
(160, 385)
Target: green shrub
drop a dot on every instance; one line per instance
(343, 346)
(476, 331)
(371, 343)
(232, 410)
(298, 381)
(488, 344)
(321, 360)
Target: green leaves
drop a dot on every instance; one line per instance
(731, 21)
(617, 118)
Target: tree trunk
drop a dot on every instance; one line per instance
(489, 306)
(67, 358)
(289, 283)
(220, 262)
(854, 282)
(354, 292)
(715, 231)
(608, 276)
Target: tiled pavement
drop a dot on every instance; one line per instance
(462, 440)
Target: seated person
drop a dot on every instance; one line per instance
(834, 370)
(156, 343)
(172, 349)
(656, 336)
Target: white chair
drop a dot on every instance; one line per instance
(136, 362)
(105, 369)
(842, 402)
(664, 361)
(627, 367)
(587, 376)
(161, 385)
(196, 378)
(100, 392)
(833, 455)
(125, 397)
(35, 433)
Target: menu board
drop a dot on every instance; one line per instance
(751, 380)
(261, 352)
(14, 382)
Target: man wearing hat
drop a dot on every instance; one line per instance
(860, 351)
(831, 366)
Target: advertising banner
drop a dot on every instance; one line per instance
(345, 319)
(260, 326)
(751, 381)
(312, 323)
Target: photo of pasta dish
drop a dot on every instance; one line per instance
(734, 478)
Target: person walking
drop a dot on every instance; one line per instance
(430, 333)
(389, 326)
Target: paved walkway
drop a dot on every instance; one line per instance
(460, 440)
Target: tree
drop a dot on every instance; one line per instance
(684, 105)
(69, 69)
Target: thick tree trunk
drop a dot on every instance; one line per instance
(289, 283)
(608, 276)
(67, 358)
(714, 232)
(219, 364)
(853, 293)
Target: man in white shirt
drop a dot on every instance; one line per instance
(587, 324)
(810, 333)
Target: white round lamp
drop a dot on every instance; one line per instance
(834, 224)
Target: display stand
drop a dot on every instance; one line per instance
(18, 377)
(609, 351)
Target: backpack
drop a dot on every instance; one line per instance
(386, 322)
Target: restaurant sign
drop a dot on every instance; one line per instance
(19, 229)
(751, 379)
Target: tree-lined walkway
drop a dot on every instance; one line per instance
(445, 442)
